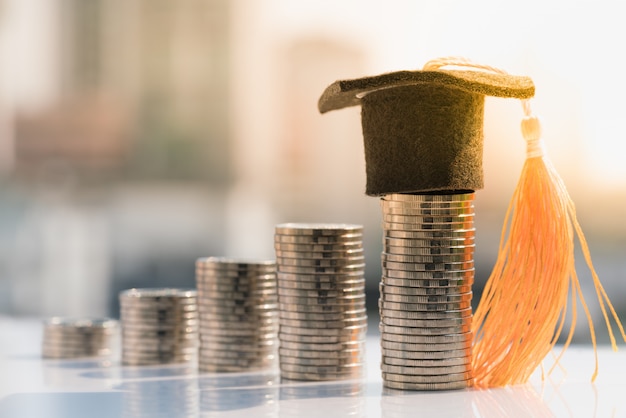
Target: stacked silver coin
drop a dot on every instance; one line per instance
(425, 291)
(238, 306)
(159, 326)
(321, 293)
(65, 338)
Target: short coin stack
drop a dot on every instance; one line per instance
(321, 292)
(425, 292)
(65, 338)
(238, 306)
(159, 326)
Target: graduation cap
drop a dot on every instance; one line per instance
(423, 134)
(423, 130)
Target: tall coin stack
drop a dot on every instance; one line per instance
(238, 306)
(425, 291)
(159, 326)
(321, 293)
(65, 338)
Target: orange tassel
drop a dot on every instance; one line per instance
(523, 308)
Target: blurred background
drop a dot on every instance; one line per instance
(139, 135)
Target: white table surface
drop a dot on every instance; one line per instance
(32, 387)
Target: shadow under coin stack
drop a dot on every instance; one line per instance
(425, 292)
(159, 326)
(65, 338)
(238, 307)
(321, 293)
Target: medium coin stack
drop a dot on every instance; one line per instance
(159, 326)
(321, 293)
(425, 291)
(238, 306)
(65, 338)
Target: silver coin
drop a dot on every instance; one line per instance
(210, 307)
(425, 331)
(238, 316)
(217, 328)
(79, 324)
(256, 348)
(326, 316)
(235, 318)
(232, 277)
(317, 228)
(322, 293)
(61, 341)
(232, 303)
(427, 339)
(312, 324)
(357, 331)
(420, 219)
(318, 278)
(427, 259)
(407, 249)
(429, 242)
(238, 263)
(435, 292)
(308, 285)
(248, 340)
(407, 277)
(425, 355)
(425, 323)
(346, 353)
(320, 262)
(462, 384)
(445, 378)
(207, 296)
(251, 301)
(340, 254)
(220, 368)
(142, 353)
(352, 268)
(227, 356)
(321, 361)
(155, 318)
(402, 298)
(358, 344)
(322, 309)
(152, 295)
(408, 261)
(392, 345)
(221, 323)
(419, 308)
(448, 362)
(452, 226)
(395, 208)
(427, 315)
(425, 371)
(415, 251)
(318, 248)
(386, 204)
(429, 234)
(348, 300)
(353, 374)
(316, 339)
(296, 368)
(451, 197)
(319, 239)
(217, 284)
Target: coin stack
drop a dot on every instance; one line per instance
(65, 338)
(238, 306)
(159, 326)
(425, 291)
(321, 293)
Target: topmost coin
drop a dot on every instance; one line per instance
(317, 228)
(401, 197)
